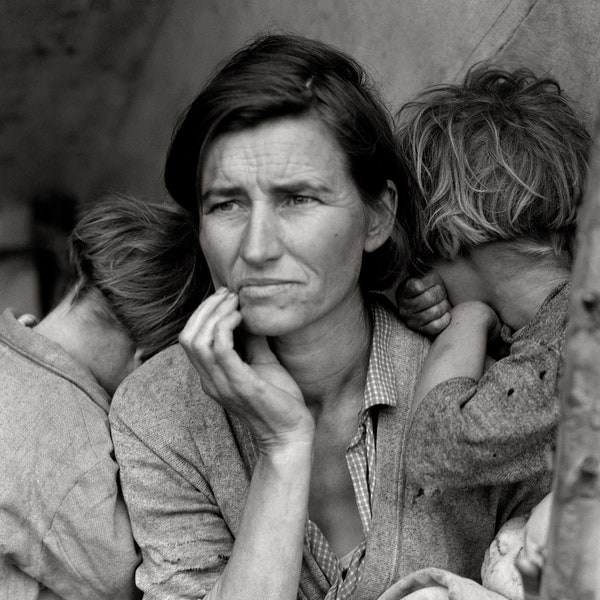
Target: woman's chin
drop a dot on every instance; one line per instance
(270, 323)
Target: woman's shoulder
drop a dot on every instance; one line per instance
(165, 389)
(402, 343)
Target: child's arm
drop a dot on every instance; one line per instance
(494, 430)
(460, 349)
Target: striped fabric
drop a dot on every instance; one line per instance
(360, 457)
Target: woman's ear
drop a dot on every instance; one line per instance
(382, 218)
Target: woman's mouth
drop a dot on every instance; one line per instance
(265, 289)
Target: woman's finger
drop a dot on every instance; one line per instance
(200, 315)
(223, 333)
(206, 331)
(258, 350)
(198, 335)
(197, 339)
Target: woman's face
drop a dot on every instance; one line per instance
(283, 225)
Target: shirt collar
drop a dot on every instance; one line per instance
(380, 387)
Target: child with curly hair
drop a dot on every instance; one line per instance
(497, 167)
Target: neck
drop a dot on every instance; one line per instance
(329, 359)
(83, 333)
(516, 285)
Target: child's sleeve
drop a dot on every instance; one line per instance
(495, 431)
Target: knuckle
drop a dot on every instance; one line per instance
(428, 280)
(415, 285)
(420, 319)
(428, 297)
(209, 389)
(197, 345)
(221, 348)
(438, 325)
(446, 304)
(437, 293)
(402, 311)
(439, 310)
(184, 338)
(440, 291)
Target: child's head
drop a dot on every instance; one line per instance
(141, 263)
(500, 157)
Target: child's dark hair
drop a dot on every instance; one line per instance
(142, 262)
(500, 157)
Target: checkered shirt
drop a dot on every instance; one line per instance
(360, 457)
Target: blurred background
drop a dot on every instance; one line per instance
(90, 89)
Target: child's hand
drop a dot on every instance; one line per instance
(423, 304)
(498, 572)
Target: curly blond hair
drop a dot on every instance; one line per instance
(500, 157)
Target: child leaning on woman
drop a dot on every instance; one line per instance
(497, 167)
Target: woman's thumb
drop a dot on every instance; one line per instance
(258, 350)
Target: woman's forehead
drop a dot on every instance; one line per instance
(282, 151)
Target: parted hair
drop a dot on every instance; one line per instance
(285, 75)
(500, 157)
(142, 262)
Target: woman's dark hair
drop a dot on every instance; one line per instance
(284, 75)
(142, 263)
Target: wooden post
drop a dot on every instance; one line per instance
(572, 570)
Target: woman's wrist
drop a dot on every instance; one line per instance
(290, 447)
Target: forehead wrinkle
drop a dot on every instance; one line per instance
(272, 170)
(275, 160)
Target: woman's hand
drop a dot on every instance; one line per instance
(261, 392)
(423, 304)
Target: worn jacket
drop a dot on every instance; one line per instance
(186, 466)
(64, 529)
(500, 429)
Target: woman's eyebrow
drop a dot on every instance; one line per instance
(298, 186)
(224, 192)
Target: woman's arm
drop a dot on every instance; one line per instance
(184, 513)
(267, 553)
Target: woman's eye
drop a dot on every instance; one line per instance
(302, 200)
(226, 206)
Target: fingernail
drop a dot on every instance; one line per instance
(222, 290)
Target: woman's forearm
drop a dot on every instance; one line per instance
(267, 553)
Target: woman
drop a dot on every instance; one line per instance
(64, 527)
(269, 463)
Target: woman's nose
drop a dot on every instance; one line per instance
(261, 241)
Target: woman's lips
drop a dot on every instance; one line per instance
(265, 289)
